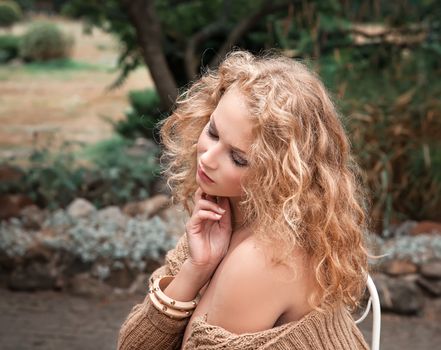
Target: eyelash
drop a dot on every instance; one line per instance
(214, 137)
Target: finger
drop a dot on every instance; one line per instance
(207, 205)
(198, 194)
(212, 198)
(202, 215)
(225, 221)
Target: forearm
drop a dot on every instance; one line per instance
(188, 282)
(148, 328)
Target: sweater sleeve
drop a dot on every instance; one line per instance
(147, 328)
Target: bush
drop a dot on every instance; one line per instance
(125, 170)
(142, 116)
(110, 172)
(9, 47)
(392, 102)
(10, 13)
(45, 41)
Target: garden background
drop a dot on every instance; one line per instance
(85, 214)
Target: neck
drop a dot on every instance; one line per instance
(237, 217)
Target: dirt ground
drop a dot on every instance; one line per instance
(51, 320)
(73, 105)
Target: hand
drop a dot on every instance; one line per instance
(208, 231)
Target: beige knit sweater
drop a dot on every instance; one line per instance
(147, 328)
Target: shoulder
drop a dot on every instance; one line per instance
(249, 287)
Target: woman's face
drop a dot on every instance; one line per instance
(223, 147)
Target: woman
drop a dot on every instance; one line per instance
(273, 254)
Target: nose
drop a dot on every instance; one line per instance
(210, 157)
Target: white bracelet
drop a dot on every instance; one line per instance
(172, 313)
(160, 284)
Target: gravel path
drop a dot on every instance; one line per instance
(51, 320)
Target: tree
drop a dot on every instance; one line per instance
(176, 39)
(173, 54)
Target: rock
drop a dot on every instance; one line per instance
(139, 285)
(121, 278)
(398, 295)
(10, 174)
(32, 217)
(403, 229)
(86, 286)
(148, 207)
(34, 276)
(80, 208)
(422, 227)
(71, 265)
(400, 267)
(431, 269)
(114, 215)
(131, 209)
(12, 204)
(38, 252)
(431, 286)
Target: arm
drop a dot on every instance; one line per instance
(148, 328)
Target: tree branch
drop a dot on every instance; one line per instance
(191, 58)
(244, 26)
(143, 16)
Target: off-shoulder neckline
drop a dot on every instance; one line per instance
(201, 322)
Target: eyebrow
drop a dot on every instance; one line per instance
(232, 147)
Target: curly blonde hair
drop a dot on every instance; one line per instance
(303, 188)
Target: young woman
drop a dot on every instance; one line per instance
(273, 256)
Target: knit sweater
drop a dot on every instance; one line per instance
(147, 328)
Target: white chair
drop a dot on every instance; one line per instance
(376, 313)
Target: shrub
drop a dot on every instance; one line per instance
(109, 172)
(125, 170)
(142, 116)
(9, 47)
(45, 41)
(392, 102)
(10, 13)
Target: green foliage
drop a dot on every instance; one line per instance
(45, 41)
(111, 17)
(10, 13)
(387, 88)
(142, 116)
(62, 64)
(110, 172)
(9, 47)
(395, 130)
(125, 171)
(51, 180)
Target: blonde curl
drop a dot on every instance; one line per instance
(303, 189)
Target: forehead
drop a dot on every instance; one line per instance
(233, 121)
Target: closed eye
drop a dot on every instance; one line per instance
(237, 160)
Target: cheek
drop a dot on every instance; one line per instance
(234, 178)
(201, 144)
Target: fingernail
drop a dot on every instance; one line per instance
(218, 215)
(221, 210)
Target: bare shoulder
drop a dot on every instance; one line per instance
(251, 288)
(291, 285)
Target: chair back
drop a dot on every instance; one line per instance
(374, 300)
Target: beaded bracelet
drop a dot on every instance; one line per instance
(172, 313)
(160, 284)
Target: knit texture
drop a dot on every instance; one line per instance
(147, 328)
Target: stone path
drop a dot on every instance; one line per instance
(51, 320)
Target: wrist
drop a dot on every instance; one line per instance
(198, 273)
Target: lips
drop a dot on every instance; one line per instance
(203, 175)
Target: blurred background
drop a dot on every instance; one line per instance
(85, 215)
